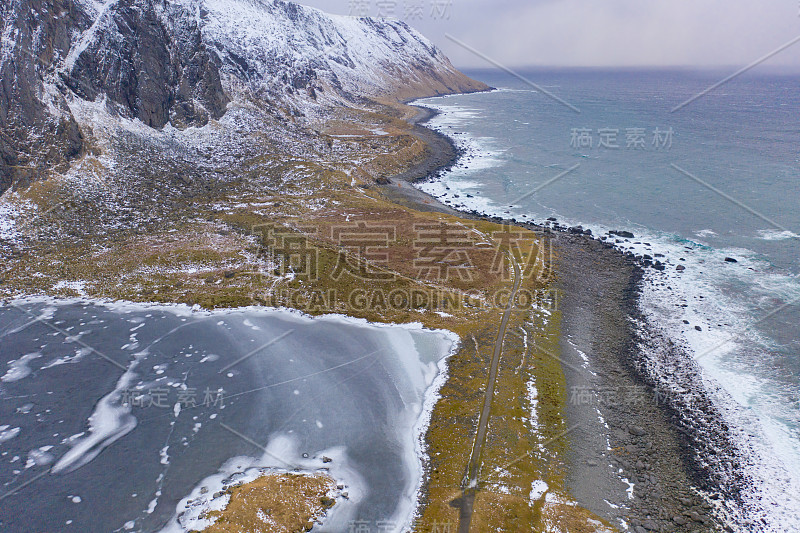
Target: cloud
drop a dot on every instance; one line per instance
(611, 33)
(635, 33)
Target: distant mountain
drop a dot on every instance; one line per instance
(181, 63)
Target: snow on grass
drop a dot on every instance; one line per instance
(538, 489)
(8, 215)
(533, 401)
(77, 286)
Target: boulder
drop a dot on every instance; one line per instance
(623, 234)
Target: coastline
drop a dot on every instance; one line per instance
(441, 154)
(443, 305)
(643, 443)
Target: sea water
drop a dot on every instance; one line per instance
(717, 178)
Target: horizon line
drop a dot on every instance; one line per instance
(783, 68)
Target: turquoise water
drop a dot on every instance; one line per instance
(716, 179)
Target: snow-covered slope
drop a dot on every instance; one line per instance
(281, 46)
(183, 62)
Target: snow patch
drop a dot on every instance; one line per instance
(7, 433)
(8, 215)
(538, 489)
(18, 368)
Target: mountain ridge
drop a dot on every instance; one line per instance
(182, 62)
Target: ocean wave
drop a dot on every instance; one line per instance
(703, 233)
(707, 304)
(777, 235)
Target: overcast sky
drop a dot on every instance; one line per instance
(598, 32)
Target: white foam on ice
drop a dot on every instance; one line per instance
(18, 368)
(110, 421)
(7, 433)
(39, 456)
(281, 455)
(80, 353)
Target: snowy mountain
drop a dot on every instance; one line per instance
(182, 63)
(281, 46)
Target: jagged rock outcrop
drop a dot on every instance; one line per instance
(181, 62)
(150, 61)
(37, 131)
(146, 58)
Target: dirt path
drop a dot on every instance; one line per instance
(469, 492)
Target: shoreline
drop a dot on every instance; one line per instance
(345, 473)
(661, 471)
(442, 153)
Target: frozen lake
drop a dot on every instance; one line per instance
(112, 416)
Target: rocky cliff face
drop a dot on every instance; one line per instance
(180, 63)
(37, 132)
(149, 60)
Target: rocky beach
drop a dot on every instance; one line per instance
(252, 166)
(620, 425)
